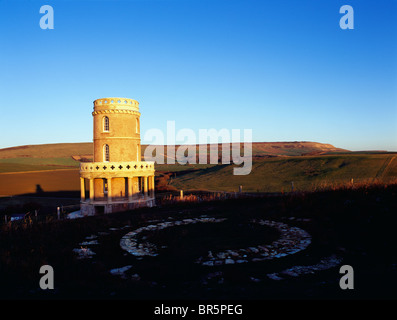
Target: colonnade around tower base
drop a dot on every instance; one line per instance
(116, 186)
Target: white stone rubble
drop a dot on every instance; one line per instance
(292, 240)
(130, 242)
(84, 253)
(120, 271)
(296, 271)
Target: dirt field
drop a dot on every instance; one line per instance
(308, 173)
(32, 182)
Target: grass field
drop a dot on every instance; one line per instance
(36, 164)
(67, 150)
(56, 150)
(306, 173)
(23, 169)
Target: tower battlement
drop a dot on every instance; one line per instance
(116, 104)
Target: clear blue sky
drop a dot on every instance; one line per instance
(284, 69)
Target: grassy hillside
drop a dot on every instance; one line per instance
(306, 173)
(56, 150)
(268, 175)
(42, 157)
(53, 168)
(67, 150)
(67, 155)
(36, 164)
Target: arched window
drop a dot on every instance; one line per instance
(106, 153)
(136, 125)
(105, 124)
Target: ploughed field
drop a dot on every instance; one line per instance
(268, 174)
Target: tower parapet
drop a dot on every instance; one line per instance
(115, 104)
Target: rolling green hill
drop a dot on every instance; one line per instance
(68, 155)
(42, 151)
(62, 150)
(306, 173)
(36, 164)
(308, 165)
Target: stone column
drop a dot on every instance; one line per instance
(91, 189)
(149, 186)
(109, 189)
(130, 189)
(82, 189)
(145, 183)
(152, 186)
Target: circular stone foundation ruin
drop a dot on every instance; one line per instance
(291, 240)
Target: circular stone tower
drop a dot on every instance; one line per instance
(116, 124)
(117, 180)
